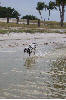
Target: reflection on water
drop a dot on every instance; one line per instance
(30, 62)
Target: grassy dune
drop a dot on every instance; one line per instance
(47, 26)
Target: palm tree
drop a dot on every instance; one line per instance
(61, 4)
(51, 6)
(40, 7)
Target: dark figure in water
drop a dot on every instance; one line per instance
(30, 49)
(27, 50)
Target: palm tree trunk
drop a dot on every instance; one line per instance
(17, 20)
(62, 14)
(7, 19)
(38, 22)
(40, 14)
(49, 12)
(27, 21)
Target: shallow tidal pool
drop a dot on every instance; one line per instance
(40, 76)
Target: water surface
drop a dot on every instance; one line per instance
(42, 75)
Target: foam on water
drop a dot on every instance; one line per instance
(40, 54)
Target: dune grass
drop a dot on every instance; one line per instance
(47, 24)
(3, 31)
(45, 27)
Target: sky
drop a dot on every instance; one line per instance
(28, 7)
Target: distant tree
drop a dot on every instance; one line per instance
(15, 15)
(8, 13)
(51, 6)
(30, 17)
(40, 7)
(61, 4)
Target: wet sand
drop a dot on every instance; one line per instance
(42, 75)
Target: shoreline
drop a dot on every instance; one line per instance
(17, 39)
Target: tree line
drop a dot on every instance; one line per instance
(8, 12)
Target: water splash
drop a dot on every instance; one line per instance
(41, 54)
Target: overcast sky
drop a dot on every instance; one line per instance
(29, 7)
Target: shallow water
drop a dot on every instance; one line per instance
(42, 75)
